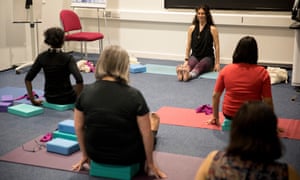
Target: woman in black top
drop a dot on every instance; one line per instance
(57, 67)
(112, 118)
(202, 49)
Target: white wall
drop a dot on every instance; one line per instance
(148, 30)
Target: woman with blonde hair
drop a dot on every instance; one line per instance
(112, 119)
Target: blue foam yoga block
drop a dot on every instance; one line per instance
(4, 106)
(62, 146)
(226, 125)
(66, 126)
(114, 171)
(137, 68)
(58, 134)
(59, 107)
(25, 110)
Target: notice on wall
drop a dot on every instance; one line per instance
(89, 3)
(21, 14)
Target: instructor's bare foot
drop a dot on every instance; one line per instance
(179, 71)
(186, 74)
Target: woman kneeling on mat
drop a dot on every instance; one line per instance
(112, 119)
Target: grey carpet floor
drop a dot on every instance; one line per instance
(159, 90)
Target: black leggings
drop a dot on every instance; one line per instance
(227, 117)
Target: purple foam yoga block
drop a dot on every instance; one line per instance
(7, 98)
(4, 106)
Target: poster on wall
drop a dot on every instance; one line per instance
(21, 14)
(89, 3)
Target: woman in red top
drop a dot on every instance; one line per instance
(243, 80)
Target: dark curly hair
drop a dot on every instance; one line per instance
(54, 37)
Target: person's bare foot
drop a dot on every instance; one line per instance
(179, 71)
(186, 74)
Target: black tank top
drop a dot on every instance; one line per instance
(202, 42)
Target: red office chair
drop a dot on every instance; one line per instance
(73, 29)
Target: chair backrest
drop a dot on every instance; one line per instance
(70, 20)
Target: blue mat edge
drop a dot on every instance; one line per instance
(208, 75)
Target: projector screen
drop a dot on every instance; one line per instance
(89, 3)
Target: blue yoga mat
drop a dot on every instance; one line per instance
(18, 92)
(171, 70)
(209, 75)
(161, 69)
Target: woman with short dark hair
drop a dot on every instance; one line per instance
(243, 80)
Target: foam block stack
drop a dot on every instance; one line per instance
(66, 130)
(64, 139)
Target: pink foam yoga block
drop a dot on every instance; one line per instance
(4, 106)
(7, 98)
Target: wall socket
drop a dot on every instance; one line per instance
(108, 14)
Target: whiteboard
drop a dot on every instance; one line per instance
(89, 3)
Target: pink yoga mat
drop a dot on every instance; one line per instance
(176, 166)
(189, 117)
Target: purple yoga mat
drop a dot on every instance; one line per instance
(174, 165)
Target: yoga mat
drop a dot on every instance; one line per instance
(171, 70)
(189, 117)
(209, 75)
(174, 165)
(161, 69)
(18, 92)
